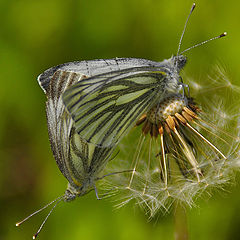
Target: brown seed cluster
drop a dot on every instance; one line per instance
(182, 113)
(167, 116)
(168, 106)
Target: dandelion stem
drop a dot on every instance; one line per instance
(180, 223)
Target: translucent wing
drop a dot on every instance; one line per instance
(105, 106)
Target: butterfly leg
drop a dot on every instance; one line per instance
(183, 87)
(96, 192)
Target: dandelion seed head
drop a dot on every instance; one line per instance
(179, 151)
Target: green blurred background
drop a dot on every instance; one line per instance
(36, 35)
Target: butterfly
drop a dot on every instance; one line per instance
(92, 104)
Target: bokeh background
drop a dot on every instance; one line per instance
(36, 35)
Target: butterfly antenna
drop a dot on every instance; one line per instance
(46, 218)
(184, 29)
(202, 43)
(25, 219)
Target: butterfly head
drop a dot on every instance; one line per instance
(72, 192)
(179, 62)
(76, 191)
(69, 195)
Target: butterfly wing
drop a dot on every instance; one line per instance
(105, 106)
(77, 160)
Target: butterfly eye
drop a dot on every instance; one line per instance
(182, 60)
